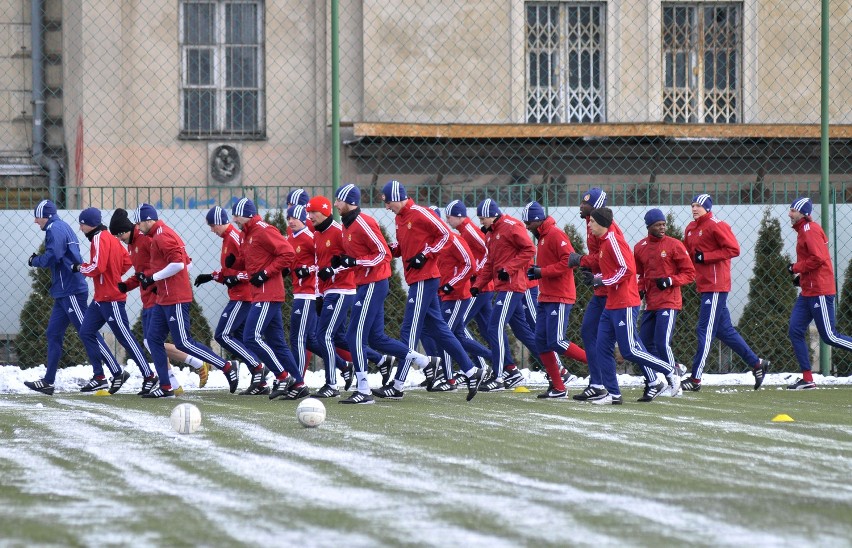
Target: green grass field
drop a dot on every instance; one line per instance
(504, 470)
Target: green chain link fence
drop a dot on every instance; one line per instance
(192, 103)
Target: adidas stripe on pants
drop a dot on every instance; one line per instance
(656, 330)
(714, 320)
(820, 310)
(114, 314)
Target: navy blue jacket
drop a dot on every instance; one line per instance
(61, 250)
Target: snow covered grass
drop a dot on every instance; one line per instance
(506, 469)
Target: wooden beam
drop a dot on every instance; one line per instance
(535, 131)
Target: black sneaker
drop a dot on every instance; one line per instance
(609, 399)
(327, 391)
(512, 378)
(280, 388)
(118, 381)
(388, 392)
(40, 386)
(594, 394)
(233, 376)
(159, 393)
(148, 384)
(690, 385)
(553, 394)
(256, 389)
(430, 369)
(94, 385)
(385, 368)
(800, 384)
(473, 383)
(348, 373)
(443, 386)
(493, 384)
(296, 393)
(652, 391)
(358, 398)
(567, 377)
(589, 392)
(759, 372)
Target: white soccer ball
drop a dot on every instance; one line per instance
(311, 413)
(185, 418)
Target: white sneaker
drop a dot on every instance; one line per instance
(674, 390)
(609, 399)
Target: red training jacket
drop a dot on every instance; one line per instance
(303, 245)
(455, 264)
(618, 270)
(232, 240)
(109, 262)
(328, 242)
(510, 249)
(363, 240)
(664, 257)
(140, 256)
(591, 260)
(475, 240)
(716, 240)
(166, 248)
(813, 263)
(557, 278)
(264, 248)
(419, 231)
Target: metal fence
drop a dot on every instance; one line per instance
(193, 103)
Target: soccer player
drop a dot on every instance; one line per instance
(663, 266)
(109, 262)
(170, 315)
(618, 321)
(420, 238)
(268, 256)
(510, 251)
(711, 245)
(68, 289)
(556, 296)
(366, 252)
(229, 330)
(139, 248)
(813, 273)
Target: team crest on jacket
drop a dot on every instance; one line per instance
(663, 254)
(497, 236)
(250, 239)
(136, 249)
(350, 237)
(328, 243)
(700, 232)
(298, 249)
(408, 225)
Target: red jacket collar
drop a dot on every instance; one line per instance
(546, 226)
(704, 218)
(252, 222)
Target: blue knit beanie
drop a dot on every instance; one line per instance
(45, 209)
(297, 212)
(704, 201)
(487, 208)
(533, 212)
(456, 209)
(654, 216)
(393, 191)
(91, 216)
(244, 208)
(217, 216)
(298, 196)
(146, 212)
(596, 197)
(349, 194)
(803, 206)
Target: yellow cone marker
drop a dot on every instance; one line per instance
(522, 389)
(783, 418)
(103, 393)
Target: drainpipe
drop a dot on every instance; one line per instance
(39, 135)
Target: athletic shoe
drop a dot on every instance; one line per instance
(609, 399)
(567, 377)
(553, 394)
(118, 381)
(148, 384)
(256, 389)
(327, 391)
(682, 369)
(280, 388)
(513, 378)
(473, 383)
(388, 392)
(430, 369)
(203, 373)
(296, 393)
(800, 384)
(443, 386)
(690, 385)
(94, 385)
(179, 391)
(673, 388)
(348, 373)
(385, 368)
(159, 393)
(358, 398)
(652, 391)
(590, 393)
(759, 372)
(233, 376)
(492, 385)
(40, 386)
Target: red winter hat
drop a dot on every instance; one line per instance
(319, 204)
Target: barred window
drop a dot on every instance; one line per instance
(702, 61)
(222, 92)
(565, 62)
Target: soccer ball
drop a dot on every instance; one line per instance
(311, 413)
(185, 419)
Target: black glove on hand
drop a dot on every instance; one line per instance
(588, 277)
(642, 293)
(417, 261)
(473, 279)
(122, 287)
(285, 272)
(303, 272)
(230, 260)
(230, 281)
(574, 260)
(699, 256)
(154, 290)
(146, 281)
(326, 273)
(342, 260)
(502, 275)
(75, 267)
(30, 260)
(597, 281)
(318, 304)
(797, 281)
(259, 278)
(534, 273)
(447, 289)
(484, 229)
(474, 291)
(203, 279)
(663, 283)
(790, 268)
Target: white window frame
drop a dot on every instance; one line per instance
(219, 86)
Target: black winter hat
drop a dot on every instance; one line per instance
(120, 222)
(602, 216)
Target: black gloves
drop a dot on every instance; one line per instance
(230, 260)
(447, 289)
(473, 279)
(534, 273)
(230, 281)
(318, 304)
(326, 273)
(285, 272)
(587, 276)
(342, 260)
(502, 275)
(303, 272)
(597, 281)
(30, 260)
(699, 256)
(259, 278)
(574, 259)
(203, 279)
(484, 229)
(146, 281)
(663, 283)
(797, 281)
(474, 291)
(122, 287)
(75, 267)
(641, 293)
(417, 261)
(790, 268)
